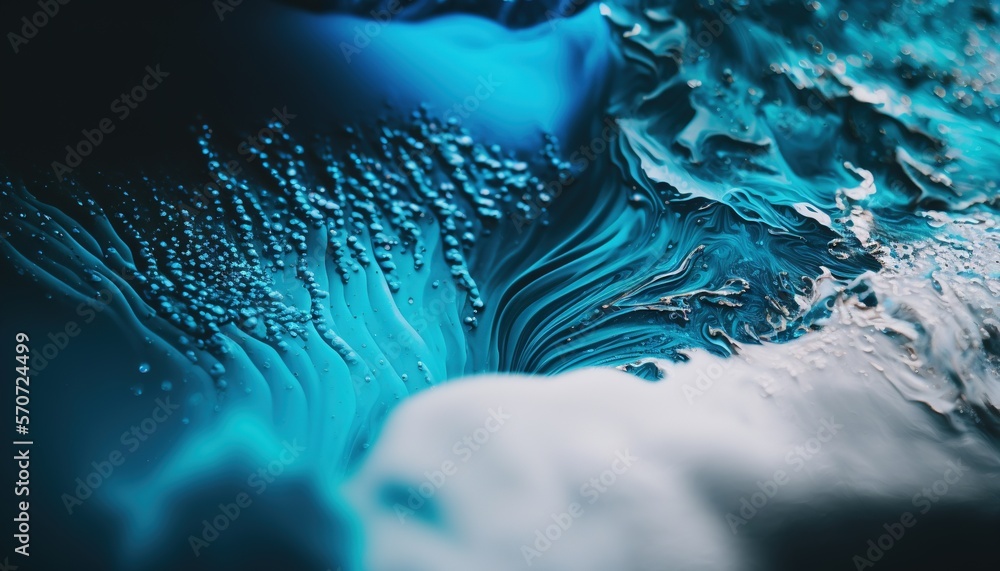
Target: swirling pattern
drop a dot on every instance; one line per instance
(742, 160)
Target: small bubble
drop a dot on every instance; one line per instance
(143, 367)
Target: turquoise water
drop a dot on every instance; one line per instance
(684, 181)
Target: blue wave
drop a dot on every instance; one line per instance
(728, 158)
